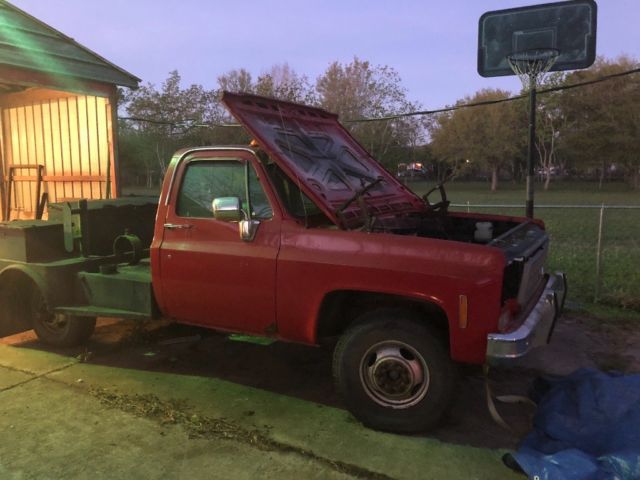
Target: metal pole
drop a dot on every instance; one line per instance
(599, 256)
(532, 142)
(3, 180)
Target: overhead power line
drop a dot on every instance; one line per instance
(501, 100)
(187, 122)
(190, 123)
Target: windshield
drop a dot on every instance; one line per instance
(295, 201)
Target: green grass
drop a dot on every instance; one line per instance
(574, 234)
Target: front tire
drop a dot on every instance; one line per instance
(393, 372)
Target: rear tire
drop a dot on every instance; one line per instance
(394, 372)
(55, 329)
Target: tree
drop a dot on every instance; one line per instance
(280, 82)
(358, 90)
(603, 119)
(238, 81)
(283, 83)
(488, 136)
(551, 122)
(164, 120)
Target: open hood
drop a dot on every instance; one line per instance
(317, 152)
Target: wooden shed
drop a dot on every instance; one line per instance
(58, 117)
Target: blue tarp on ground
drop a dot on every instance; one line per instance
(587, 427)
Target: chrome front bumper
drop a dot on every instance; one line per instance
(536, 330)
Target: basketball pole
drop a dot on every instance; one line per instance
(530, 65)
(531, 148)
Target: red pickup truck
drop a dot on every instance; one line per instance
(304, 238)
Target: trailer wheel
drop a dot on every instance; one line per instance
(58, 330)
(393, 372)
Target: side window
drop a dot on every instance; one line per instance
(203, 181)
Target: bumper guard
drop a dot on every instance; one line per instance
(537, 328)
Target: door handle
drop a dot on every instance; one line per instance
(176, 226)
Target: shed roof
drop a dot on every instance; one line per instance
(26, 42)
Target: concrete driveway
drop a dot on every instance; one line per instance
(169, 402)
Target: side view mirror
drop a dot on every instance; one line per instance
(227, 209)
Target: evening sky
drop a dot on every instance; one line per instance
(431, 44)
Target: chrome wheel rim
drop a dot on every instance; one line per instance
(394, 374)
(55, 323)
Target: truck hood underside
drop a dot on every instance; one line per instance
(320, 155)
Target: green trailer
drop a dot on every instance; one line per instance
(88, 259)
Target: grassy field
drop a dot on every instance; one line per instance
(574, 233)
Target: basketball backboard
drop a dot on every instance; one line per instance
(568, 27)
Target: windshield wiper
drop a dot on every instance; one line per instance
(358, 196)
(359, 193)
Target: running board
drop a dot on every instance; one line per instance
(93, 311)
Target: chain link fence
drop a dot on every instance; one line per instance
(597, 246)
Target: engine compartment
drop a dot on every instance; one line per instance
(462, 228)
(458, 227)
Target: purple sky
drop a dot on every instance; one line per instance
(432, 44)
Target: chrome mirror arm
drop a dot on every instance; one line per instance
(248, 229)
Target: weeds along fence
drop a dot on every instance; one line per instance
(598, 246)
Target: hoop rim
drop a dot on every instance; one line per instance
(537, 54)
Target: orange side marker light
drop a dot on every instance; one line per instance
(463, 310)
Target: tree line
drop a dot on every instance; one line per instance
(592, 130)
(159, 121)
(588, 131)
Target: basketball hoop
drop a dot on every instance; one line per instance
(531, 65)
(531, 41)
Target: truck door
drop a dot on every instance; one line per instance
(210, 276)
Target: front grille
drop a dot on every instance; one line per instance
(525, 247)
(532, 274)
(511, 280)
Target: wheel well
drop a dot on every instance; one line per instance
(340, 309)
(16, 289)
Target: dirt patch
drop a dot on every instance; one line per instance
(199, 426)
(615, 346)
